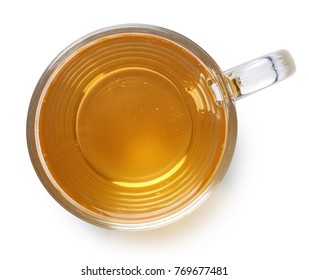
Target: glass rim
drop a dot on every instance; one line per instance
(40, 91)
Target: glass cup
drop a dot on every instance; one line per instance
(131, 127)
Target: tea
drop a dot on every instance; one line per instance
(130, 129)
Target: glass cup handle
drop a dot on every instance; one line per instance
(260, 73)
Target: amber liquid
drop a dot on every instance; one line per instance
(129, 128)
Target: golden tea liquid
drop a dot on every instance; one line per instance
(130, 129)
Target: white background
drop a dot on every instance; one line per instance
(255, 224)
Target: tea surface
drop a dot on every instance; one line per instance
(129, 128)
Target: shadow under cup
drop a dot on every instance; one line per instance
(131, 127)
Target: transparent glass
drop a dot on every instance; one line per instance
(167, 197)
(260, 73)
